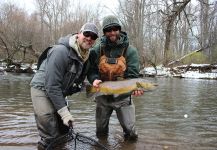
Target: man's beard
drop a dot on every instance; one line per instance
(85, 45)
(113, 38)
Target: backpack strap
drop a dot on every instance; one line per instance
(102, 50)
(43, 56)
(124, 51)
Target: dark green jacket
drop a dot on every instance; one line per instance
(114, 50)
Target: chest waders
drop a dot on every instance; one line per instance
(111, 69)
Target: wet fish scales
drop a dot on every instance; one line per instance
(120, 87)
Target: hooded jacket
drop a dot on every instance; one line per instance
(114, 50)
(63, 68)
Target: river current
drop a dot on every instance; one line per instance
(181, 114)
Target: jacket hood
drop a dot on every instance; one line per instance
(64, 40)
(123, 41)
(71, 41)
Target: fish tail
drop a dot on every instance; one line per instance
(155, 84)
(89, 91)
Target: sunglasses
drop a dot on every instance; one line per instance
(92, 35)
(110, 29)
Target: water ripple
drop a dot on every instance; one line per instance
(179, 114)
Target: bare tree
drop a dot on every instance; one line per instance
(162, 30)
(15, 35)
(58, 19)
(177, 8)
(207, 27)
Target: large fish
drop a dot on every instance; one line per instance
(120, 87)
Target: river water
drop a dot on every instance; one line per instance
(181, 114)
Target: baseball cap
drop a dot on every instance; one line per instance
(91, 27)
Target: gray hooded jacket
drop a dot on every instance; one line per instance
(61, 71)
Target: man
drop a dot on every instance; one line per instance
(59, 75)
(112, 59)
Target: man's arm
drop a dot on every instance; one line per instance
(93, 72)
(56, 67)
(132, 71)
(132, 60)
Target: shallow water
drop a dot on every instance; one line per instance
(179, 114)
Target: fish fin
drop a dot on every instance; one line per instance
(93, 94)
(155, 84)
(120, 78)
(89, 95)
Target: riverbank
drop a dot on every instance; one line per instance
(17, 68)
(18, 147)
(195, 71)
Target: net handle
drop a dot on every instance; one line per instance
(71, 129)
(70, 124)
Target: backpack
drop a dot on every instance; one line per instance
(43, 56)
(69, 90)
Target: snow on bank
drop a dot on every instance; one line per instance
(198, 75)
(197, 71)
(160, 71)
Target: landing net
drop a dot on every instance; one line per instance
(75, 141)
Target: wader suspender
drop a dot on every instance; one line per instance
(112, 68)
(102, 51)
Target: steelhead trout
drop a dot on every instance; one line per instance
(120, 87)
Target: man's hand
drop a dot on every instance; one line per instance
(96, 84)
(138, 93)
(65, 115)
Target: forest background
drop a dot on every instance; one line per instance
(162, 30)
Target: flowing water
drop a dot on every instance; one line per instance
(181, 114)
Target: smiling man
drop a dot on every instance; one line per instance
(112, 59)
(60, 74)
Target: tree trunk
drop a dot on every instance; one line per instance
(178, 7)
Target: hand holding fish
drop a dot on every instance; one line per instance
(96, 84)
(137, 92)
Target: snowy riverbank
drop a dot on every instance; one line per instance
(197, 71)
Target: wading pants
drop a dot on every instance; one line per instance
(125, 111)
(49, 123)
